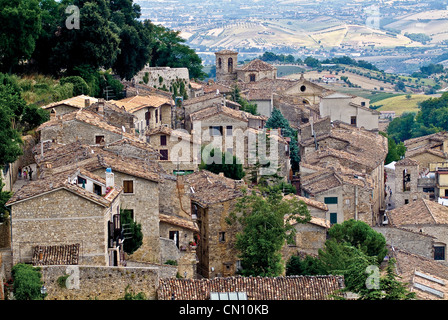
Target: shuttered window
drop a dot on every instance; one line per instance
(128, 186)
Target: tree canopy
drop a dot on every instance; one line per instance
(267, 223)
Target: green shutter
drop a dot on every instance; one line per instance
(331, 200)
(333, 218)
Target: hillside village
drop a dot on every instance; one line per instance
(96, 159)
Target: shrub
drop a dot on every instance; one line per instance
(27, 282)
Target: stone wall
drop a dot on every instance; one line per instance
(60, 217)
(144, 201)
(166, 74)
(71, 131)
(414, 242)
(101, 283)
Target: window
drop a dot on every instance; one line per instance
(353, 120)
(147, 117)
(252, 78)
(157, 115)
(99, 139)
(163, 154)
(439, 252)
(406, 201)
(163, 140)
(230, 65)
(219, 63)
(363, 104)
(222, 237)
(331, 200)
(215, 131)
(174, 235)
(303, 88)
(446, 192)
(333, 218)
(128, 186)
(229, 130)
(82, 181)
(97, 189)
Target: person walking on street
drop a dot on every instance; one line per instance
(31, 173)
(24, 173)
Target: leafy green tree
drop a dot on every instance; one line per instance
(134, 237)
(277, 120)
(168, 49)
(265, 230)
(360, 235)
(307, 265)
(95, 44)
(4, 197)
(27, 282)
(19, 28)
(10, 138)
(390, 287)
(33, 116)
(80, 86)
(226, 163)
(395, 152)
(246, 106)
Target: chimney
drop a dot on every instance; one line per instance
(109, 178)
(100, 108)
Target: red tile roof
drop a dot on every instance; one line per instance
(257, 288)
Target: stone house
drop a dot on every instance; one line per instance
(310, 236)
(356, 153)
(150, 111)
(256, 70)
(69, 105)
(202, 102)
(425, 217)
(113, 115)
(428, 150)
(347, 194)
(85, 126)
(341, 107)
(74, 208)
(179, 152)
(212, 200)
(407, 179)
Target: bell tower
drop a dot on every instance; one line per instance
(226, 61)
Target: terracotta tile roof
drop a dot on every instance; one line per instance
(59, 158)
(437, 137)
(209, 188)
(178, 221)
(257, 288)
(139, 144)
(180, 133)
(218, 109)
(332, 177)
(361, 146)
(426, 149)
(60, 181)
(415, 269)
(406, 162)
(88, 117)
(257, 65)
(78, 102)
(135, 103)
(309, 202)
(67, 254)
(212, 87)
(204, 97)
(419, 212)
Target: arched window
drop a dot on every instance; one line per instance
(219, 63)
(230, 65)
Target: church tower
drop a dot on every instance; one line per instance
(226, 61)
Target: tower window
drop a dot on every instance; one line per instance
(219, 63)
(230, 65)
